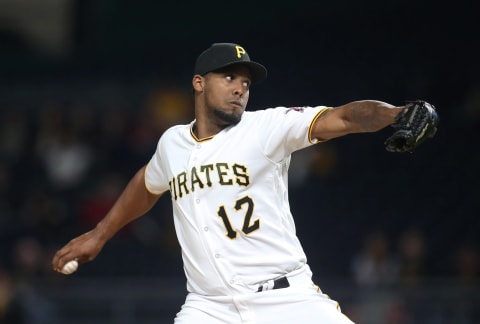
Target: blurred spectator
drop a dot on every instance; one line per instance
(376, 271)
(65, 157)
(67, 161)
(9, 312)
(374, 265)
(81, 121)
(43, 213)
(412, 256)
(6, 196)
(95, 204)
(14, 133)
(111, 148)
(466, 264)
(28, 258)
(319, 161)
(20, 302)
(466, 271)
(169, 107)
(398, 313)
(472, 110)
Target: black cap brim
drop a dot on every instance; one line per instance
(258, 72)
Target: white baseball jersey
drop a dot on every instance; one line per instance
(230, 198)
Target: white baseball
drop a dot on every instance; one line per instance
(70, 267)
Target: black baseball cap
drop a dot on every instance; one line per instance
(220, 55)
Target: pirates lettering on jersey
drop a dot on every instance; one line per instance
(204, 176)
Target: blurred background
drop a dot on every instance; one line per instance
(87, 87)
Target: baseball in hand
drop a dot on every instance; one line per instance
(70, 267)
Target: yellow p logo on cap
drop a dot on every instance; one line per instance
(240, 51)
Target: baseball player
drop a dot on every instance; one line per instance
(226, 173)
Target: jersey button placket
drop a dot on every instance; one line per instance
(192, 163)
(194, 158)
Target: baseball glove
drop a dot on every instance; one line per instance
(413, 125)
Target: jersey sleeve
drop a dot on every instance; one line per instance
(287, 130)
(155, 179)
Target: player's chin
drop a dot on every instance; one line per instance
(229, 118)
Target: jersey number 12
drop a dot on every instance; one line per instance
(248, 226)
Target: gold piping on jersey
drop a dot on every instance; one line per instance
(310, 128)
(196, 138)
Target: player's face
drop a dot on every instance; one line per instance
(227, 93)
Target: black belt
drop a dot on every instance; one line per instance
(279, 283)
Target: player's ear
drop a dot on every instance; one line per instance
(198, 82)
